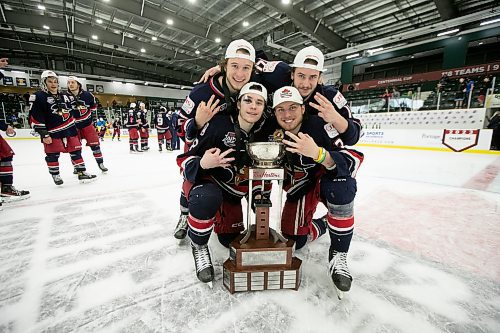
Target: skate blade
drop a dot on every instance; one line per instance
(15, 198)
(86, 181)
(340, 293)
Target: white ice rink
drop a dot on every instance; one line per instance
(101, 257)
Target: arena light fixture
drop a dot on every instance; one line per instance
(154, 38)
(490, 21)
(285, 2)
(372, 51)
(99, 21)
(170, 21)
(46, 27)
(246, 24)
(41, 7)
(143, 50)
(449, 32)
(350, 56)
(218, 40)
(94, 37)
(197, 52)
(146, 83)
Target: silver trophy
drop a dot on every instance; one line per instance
(262, 258)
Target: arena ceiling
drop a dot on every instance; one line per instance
(174, 41)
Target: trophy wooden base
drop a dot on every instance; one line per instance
(261, 265)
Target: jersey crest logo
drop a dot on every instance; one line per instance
(230, 139)
(63, 113)
(50, 100)
(278, 135)
(188, 105)
(331, 131)
(339, 100)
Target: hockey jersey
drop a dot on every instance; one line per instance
(82, 108)
(220, 132)
(133, 118)
(200, 93)
(51, 113)
(143, 121)
(162, 122)
(302, 171)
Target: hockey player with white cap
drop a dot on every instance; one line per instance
(219, 94)
(50, 116)
(84, 106)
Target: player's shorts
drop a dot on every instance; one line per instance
(89, 134)
(64, 145)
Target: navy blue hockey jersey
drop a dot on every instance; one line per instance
(82, 108)
(162, 122)
(52, 113)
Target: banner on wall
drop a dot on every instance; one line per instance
(21, 82)
(460, 140)
(8, 81)
(90, 87)
(99, 88)
(456, 140)
(483, 69)
(34, 83)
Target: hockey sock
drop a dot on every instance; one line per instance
(6, 171)
(76, 158)
(96, 151)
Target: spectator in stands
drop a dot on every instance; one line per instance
(469, 88)
(351, 87)
(339, 85)
(487, 84)
(494, 124)
(174, 127)
(442, 83)
(386, 96)
(460, 93)
(396, 95)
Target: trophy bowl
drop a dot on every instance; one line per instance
(266, 154)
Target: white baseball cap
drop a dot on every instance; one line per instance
(254, 88)
(287, 94)
(235, 45)
(312, 53)
(74, 78)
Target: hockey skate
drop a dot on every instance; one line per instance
(10, 193)
(203, 263)
(339, 272)
(102, 167)
(1, 204)
(85, 177)
(135, 150)
(160, 149)
(57, 179)
(181, 228)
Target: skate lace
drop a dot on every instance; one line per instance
(182, 224)
(201, 257)
(338, 264)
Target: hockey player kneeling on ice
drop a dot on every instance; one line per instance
(211, 168)
(83, 106)
(50, 116)
(319, 171)
(8, 192)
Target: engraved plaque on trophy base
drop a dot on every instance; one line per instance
(261, 265)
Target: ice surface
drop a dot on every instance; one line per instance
(101, 257)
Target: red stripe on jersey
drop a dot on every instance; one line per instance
(214, 88)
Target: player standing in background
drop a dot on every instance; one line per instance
(133, 129)
(117, 126)
(143, 127)
(8, 192)
(163, 129)
(83, 106)
(50, 116)
(220, 92)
